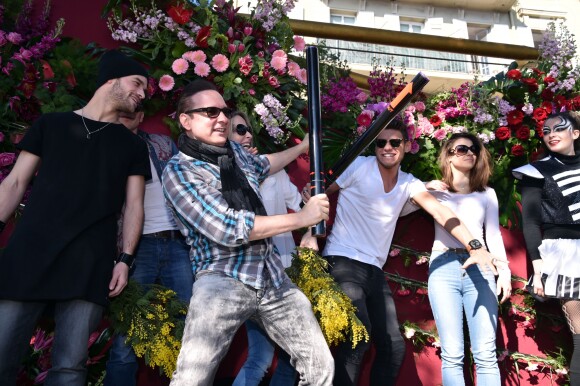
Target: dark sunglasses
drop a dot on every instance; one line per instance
(242, 129)
(395, 143)
(462, 150)
(212, 112)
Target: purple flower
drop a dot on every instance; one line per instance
(14, 38)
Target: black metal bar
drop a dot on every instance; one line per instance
(317, 185)
(381, 122)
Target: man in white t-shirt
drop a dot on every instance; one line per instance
(162, 254)
(373, 191)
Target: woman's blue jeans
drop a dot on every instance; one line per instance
(260, 354)
(453, 291)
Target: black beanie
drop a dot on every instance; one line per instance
(114, 64)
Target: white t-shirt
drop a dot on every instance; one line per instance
(477, 210)
(366, 216)
(157, 215)
(279, 195)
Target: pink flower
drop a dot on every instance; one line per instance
(198, 56)
(361, 129)
(180, 66)
(40, 378)
(202, 69)
(279, 59)
(414, 147)
(220, 63)
(302, 76)
(299, 43)
(14, 38)
(361, 97)
(254, 79)
(422, 260)
(246, 64)
(248, 30)
(7, 159)
(504, 354)
(420, 106)
(365, 118)
(394, 252)
(293, 68)
(241, 47)
(231, 48)
(273, 81)
(439, 134)
(252, 92)
(166, 83)
(190, 56)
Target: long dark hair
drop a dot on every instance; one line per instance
(479, 175)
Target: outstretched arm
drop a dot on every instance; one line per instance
(279, 160)
(452, 224)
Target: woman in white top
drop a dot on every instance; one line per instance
(466, 167)
(278, 195)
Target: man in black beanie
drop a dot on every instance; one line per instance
(63, 250)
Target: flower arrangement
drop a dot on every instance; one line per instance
(37, 363)
(152, 319)
(37, 74)
(247, 57)
(331, 306)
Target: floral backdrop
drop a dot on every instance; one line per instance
(258, 63)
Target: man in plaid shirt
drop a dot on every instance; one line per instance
(212, 187)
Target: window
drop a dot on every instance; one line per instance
(342, 19)
(413, 27)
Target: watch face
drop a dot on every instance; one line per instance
(475, 244)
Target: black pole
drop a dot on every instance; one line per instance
(317, 185)
(395, 107)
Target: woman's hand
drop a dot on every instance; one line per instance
(538, 285)
(482, 258)
(436, 185)
(504, 287)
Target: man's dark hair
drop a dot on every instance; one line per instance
(185, 103)
(398, 125)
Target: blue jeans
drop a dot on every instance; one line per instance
(220, 305)
(157, 260)
(260, 354)
(75, 320)
(369, 291)
(453, 290)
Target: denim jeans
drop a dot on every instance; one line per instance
(369, 291)
(220, 305)
(75, 320)
(453, 290)
(260, 354)
(157, 260)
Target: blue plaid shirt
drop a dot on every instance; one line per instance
(219, 235)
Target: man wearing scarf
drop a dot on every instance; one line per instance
(212, 187)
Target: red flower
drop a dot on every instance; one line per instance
(514, 74)
(547, 94)
(547, 106)
(517, 150)
(365, 118)
(538, 72)
(576, 102)
(403, 292)
(435, 120)
(502, 133)
(47, 70)
(180, 15)
(539, 129)
(561, 101)
(523, 133)
(549, 79)
(540, 114)
(515, 117)
(203, 36)
(532, 84)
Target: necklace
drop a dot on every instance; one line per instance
(87, 129)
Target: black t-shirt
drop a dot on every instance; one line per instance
(64, 244)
